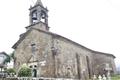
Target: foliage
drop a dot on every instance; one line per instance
(12, 55)
(24, 72)
(10, 70)
(7, 60)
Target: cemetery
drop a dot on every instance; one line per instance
(25, 74)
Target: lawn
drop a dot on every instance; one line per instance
(116, 77)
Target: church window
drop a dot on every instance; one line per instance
(35, 66)
(30, 66)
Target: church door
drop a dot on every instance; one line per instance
(34, 73)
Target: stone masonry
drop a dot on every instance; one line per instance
(56, 56)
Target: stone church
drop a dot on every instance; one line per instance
(54, 56)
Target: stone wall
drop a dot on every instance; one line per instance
(71, 57)
(8, 79)
(64, 58)
(39, 25)
(100, 61)
(69, 60)
(43, 42)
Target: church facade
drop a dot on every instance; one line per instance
(51, 55)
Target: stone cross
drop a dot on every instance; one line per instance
(99, 77)
(94, 77)
(108, 69)
(104, 78)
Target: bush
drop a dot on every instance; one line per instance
(10, 70)
(24, 72)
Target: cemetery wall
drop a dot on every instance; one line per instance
(8, 79)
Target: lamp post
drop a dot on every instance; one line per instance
(33, 55)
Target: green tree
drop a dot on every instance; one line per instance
(7, 60)
(24, 72)
(12, 55)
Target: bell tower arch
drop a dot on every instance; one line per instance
(38, 13)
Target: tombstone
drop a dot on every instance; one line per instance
(104, 78)
(10, 74)
(108, 69)
(99, 77)
(15, 75)
(94, 77)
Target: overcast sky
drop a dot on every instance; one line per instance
(92, 23)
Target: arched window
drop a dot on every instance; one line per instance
(43, 16)
(34, 16)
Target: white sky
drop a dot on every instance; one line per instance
(92, 23)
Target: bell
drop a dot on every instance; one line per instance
(43, 17)
(34, 18)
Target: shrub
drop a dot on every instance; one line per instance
(24, 72)
(10, 70)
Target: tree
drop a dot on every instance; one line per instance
(24, 72)
(12, 55)
(7, 60)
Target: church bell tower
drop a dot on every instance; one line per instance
(38, 14)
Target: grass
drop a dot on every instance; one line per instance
(116, 77)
